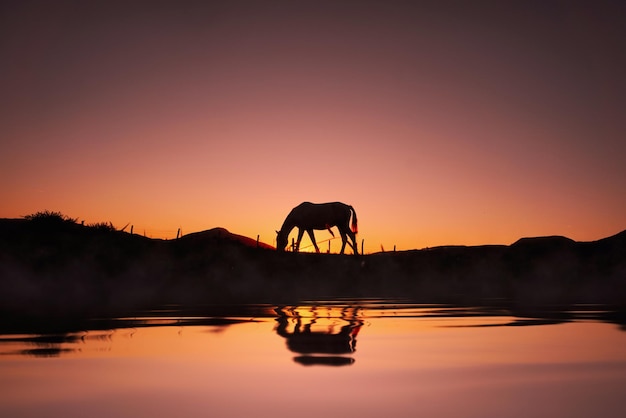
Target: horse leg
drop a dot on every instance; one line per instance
(312, 236)
(300, 233)
(353, 238)
(347, 231)
(343, 240)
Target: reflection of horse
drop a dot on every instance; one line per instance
(315, 337)
(308, 216)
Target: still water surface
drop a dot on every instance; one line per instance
(338, 358)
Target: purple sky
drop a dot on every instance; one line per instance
(440, 122)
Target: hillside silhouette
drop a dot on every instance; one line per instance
(53, 266)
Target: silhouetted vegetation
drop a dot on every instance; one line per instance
(47, 217)
(103, 226)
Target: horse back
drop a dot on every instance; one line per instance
(309, 215)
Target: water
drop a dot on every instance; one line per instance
(337, 358)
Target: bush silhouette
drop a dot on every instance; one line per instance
(50, 218)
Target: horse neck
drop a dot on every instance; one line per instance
(288, 225)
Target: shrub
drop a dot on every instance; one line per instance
(50, 217)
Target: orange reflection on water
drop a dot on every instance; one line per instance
(400, 359)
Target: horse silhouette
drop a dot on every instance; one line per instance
(316, 340)
(308, 216)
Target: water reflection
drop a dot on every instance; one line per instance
(98, 333)
(322, 335)
(319, 333)
(443, 361)
(52, 345)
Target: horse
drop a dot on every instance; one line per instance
(308, 216)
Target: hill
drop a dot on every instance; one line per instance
(223, 234)
(60, 268)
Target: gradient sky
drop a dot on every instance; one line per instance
(440, 122)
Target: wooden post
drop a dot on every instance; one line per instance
(257, 241)
(131, 229)
(328, 246)
(178, 233)
(362, 241)
(293, 245)
(394, 248)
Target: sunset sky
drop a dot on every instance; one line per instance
(440, 122)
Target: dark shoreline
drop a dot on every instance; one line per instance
(66, 270)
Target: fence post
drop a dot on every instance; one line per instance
(131, 229)
(257, 241)
(362, 241)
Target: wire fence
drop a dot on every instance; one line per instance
(154, 233)
(309, 246)
(170, 234)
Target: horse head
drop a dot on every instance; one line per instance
(281, 240)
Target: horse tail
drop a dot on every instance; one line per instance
(355, 225)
